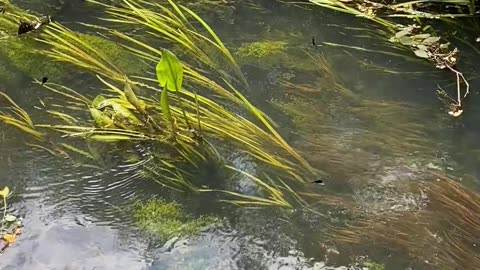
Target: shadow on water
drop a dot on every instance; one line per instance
(371, 130)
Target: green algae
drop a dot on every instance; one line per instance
(168, 219)
(23, 56)
(261, 49)
(375, 266)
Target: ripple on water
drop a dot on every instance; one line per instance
(61, 244)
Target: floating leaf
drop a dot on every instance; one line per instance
(406, 40)
(10, 218)
(5, 192)
(421, 53)
(402, 33)
(422, 47)
(431, 40)
(170, 71)
(421, 36)
(444, 45)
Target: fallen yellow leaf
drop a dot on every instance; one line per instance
(4, 192)
(9, 238)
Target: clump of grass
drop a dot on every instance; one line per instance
(168, 219)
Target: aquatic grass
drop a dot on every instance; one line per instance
(19, 118)
(443, 233)
(347, 132)
(174, 29)
(125, 113)
(64, 47)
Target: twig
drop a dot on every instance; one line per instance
(467, 85)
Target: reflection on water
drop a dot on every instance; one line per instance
(77, 217)
(61, 243)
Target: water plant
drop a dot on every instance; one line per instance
(421, 39)
(443, 241)
(8, 223)
(167, 220)
(183, 121)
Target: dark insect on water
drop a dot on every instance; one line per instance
(26, 27)
(44, 80)
(313, 43)
(319, 181)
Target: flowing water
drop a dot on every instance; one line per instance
(76, 217)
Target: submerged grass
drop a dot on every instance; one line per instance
(129, 111)
(443, 234)
(347, 131)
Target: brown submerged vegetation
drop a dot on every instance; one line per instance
(443, 234)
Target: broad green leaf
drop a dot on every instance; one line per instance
(5, 192)
(444, 45)
(121, 111)
(405, 40)
(422, 47)
(97, 101)
(10, 218)
(421, 36)
(101, 119)
(170, 71)
(430, 40)
(421, 53)
(402, 33)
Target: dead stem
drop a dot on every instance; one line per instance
(456, 109)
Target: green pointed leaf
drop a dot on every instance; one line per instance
(422, 47)
(132, 98)
(5, 192)
(97, 101)
(170, 71)
(430, 40)
(123, 112)
(421, 53)
(405, 40)
(421, 36)
(402, 33)
(101, 119)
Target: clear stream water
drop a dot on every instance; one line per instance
(74, 220)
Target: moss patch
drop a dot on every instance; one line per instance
(374, 266)
(23, 56)
(167, 220)
(261, 48)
